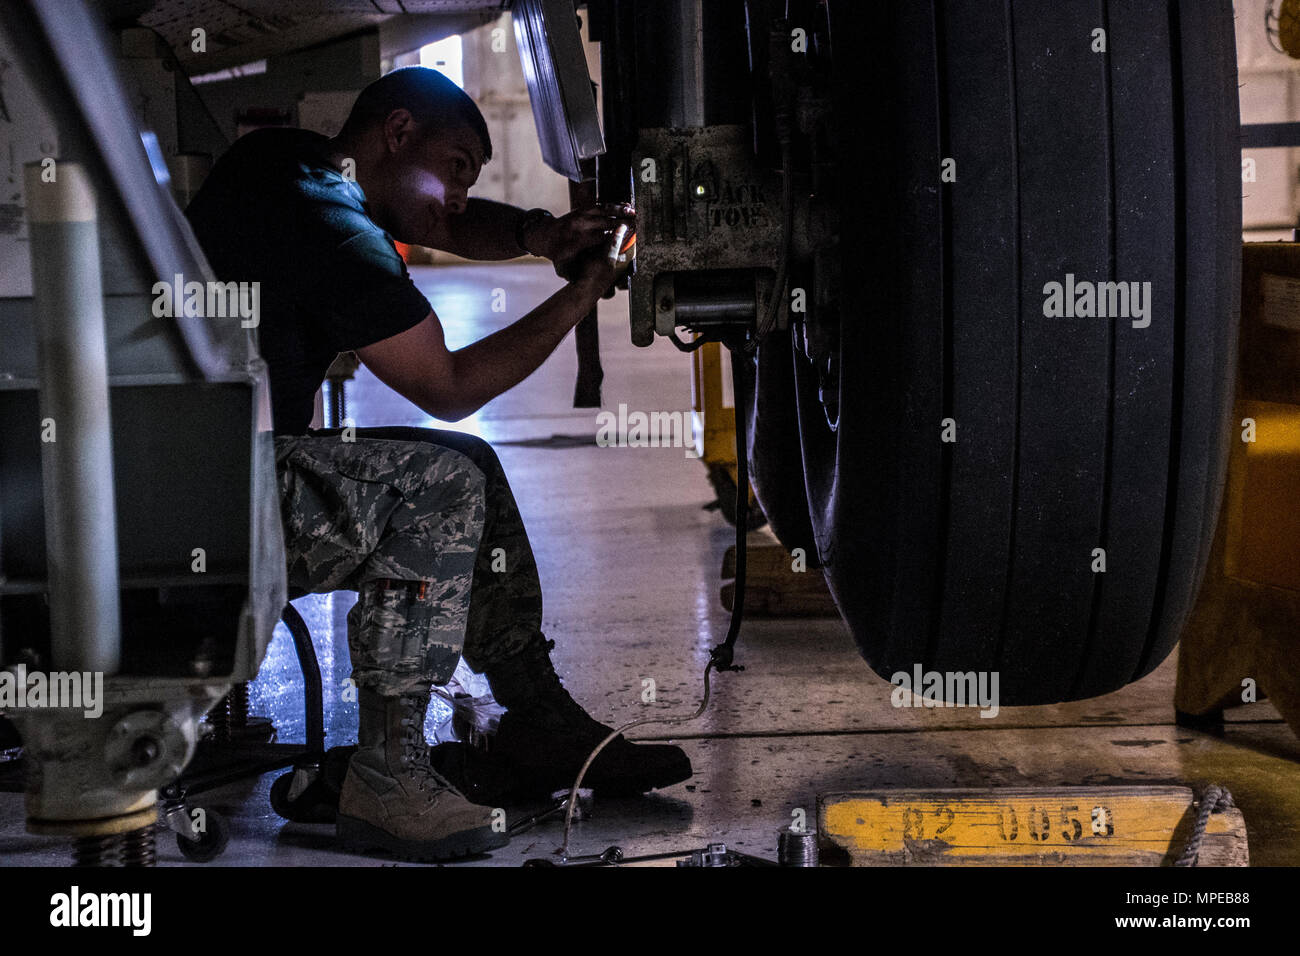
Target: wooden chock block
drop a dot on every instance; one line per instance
(776, 583)
(1023, 826)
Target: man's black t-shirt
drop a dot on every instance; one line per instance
(274, 211)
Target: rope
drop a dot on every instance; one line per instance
(1213, 799)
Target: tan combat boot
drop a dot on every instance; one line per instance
(392, 798)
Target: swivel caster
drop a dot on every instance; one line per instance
(211, 833)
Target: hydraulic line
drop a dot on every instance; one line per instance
(787, 239)
(720, 658)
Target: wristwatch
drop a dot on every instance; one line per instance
(529, 219)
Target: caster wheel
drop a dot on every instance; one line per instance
(210, 843)
(319, 801)
(280, 801)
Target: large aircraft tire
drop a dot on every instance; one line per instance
(1009, 489)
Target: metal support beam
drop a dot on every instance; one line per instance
(77, 444)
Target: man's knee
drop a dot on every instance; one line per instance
(478, 451)
(471, 446)
(444, 477)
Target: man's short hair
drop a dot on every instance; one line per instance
(434, 101)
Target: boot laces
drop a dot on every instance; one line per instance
(415, 750)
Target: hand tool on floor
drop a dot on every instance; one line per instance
(560, 803)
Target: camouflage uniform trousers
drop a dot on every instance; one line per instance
(423, 524)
